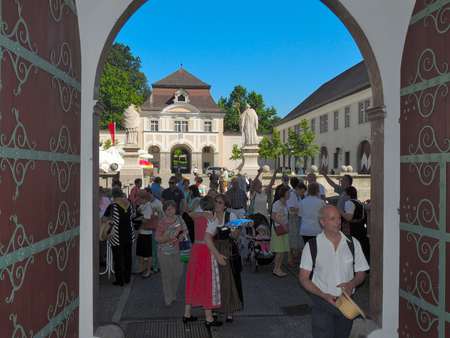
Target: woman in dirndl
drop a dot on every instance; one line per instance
(202, 277)
(225, 242)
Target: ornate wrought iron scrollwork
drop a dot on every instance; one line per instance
(425, 250)
(425, 171)
(62, 300)
(427, 140)
(19, 33)
(63, 143)
(423, 286)
(440, 19)
(428, 68)
(57, 8)
(62, 170)
(65, 220)
(424, 319)
(17, 270)
(424, 213)
(18, 329)
(18, 139)
(63, 60)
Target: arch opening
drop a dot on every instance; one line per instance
(181, 155)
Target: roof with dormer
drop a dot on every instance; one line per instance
(164, 92)
(181, 79)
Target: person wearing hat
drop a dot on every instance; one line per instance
(337, 265)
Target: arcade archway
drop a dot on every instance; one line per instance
(180, 159)
(376, 116)
(207, 158)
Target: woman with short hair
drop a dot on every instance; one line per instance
(171, 229)
(309, 212)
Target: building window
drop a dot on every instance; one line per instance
(208, 126)
(347, 117)
(313, 125)
(313, 160)
(181, 126)
(336, 120)
(324, 123)
(335, 160)
(181, 96)
(366, 108)
(154, 125)
(347, 158)
(361, 112)
(297, 129)
(284, 140)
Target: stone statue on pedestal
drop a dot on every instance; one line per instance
(249, 125)
(131, 124)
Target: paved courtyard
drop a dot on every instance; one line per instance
(274, 307)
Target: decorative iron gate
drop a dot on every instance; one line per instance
(425, 166)
(39, 167)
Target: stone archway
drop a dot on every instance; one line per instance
(376, 117)
(207, 158)
(156, 153)
(180, 159)
(324, 159)
(364, 157)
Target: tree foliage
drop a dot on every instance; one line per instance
(122, 83)
(235, 104)
(236, 153)
(302, 145)
(270, 148)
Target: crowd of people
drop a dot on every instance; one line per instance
(192, 219)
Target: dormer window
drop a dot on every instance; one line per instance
(181, 96)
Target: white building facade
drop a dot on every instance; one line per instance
(337, 114)
(182, 127)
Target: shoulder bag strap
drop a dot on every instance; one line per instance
(313, 249)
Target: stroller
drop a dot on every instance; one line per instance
(257, 235)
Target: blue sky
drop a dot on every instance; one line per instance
(283, 52)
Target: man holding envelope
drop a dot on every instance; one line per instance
(331, 264)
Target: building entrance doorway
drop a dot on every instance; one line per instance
(207, 158)
(180, 160)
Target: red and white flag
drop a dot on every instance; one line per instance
(112, 131)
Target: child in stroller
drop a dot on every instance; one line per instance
(258, 235)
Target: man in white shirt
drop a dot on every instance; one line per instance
(336, 269)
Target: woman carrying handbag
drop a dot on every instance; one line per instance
(279, 242)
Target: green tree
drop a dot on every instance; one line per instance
(236, 153)
(235, 104)
(301, 145)
(122, 83)
(270, 148)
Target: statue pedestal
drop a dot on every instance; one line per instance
(250, 164)
(131, 168)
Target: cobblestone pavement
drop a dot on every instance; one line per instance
(274, 307)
